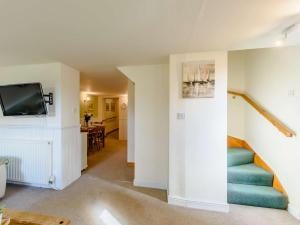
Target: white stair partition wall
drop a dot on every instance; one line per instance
(30, 161)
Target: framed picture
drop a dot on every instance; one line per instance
(106, 106)
(113, 106)
(198, 79)
(89, 104)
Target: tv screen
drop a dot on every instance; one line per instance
(22, 99)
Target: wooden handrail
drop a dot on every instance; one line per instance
(276, 122)
(108, 119)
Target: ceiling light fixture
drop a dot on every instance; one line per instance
(86, 98)
(284, 35)
(279, 42)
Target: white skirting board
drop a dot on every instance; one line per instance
(294, 211)
(147, 184)
(211, 206)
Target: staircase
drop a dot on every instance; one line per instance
(249, 184)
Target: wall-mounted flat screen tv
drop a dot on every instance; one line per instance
(22, 99)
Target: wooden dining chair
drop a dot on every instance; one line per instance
(90, 141)
(102, 129)
(98, 137)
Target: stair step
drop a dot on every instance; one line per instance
(261, 196)
(249, 174)
(239, 156)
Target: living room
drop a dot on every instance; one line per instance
(156, 74)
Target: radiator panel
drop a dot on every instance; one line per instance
(30, 161)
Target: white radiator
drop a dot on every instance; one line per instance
(30, 161)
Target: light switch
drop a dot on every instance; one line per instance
(74, 110)
(291, 93)
(180, 116)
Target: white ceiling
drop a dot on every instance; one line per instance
(96, 36)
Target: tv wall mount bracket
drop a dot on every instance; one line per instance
(50, 98)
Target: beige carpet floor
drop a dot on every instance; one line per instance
(104, 195)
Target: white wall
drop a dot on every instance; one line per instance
(236, 71)
(151, 124)
(61, 126)
(236, 117)
(70, 97)
(270, 75)
(49, 76)
(100, 110)
(130, 128)
(123, 114)
(70, 116)
(197, 152)
(236, 106)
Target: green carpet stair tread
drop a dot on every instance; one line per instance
(239, 156)
(249, 174)
(253, 195)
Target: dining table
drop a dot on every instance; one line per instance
(92, 128)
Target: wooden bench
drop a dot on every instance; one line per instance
(31, 218)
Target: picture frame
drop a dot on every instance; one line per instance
(198, 79)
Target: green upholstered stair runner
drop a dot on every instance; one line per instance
(249, 184)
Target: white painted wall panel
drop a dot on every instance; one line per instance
(30, 161)
(236, 106)
(49, 75)
(64, 115)
(131, 119)
(123, 115)
(270, 76)
(198, 146)
(151, 124)
(71, 155)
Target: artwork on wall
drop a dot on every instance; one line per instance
(110, 107)
(124, 106)
(89, 105)
(113, 106)
(198, 79)
(107, 107)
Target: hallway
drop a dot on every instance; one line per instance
(110, 163)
